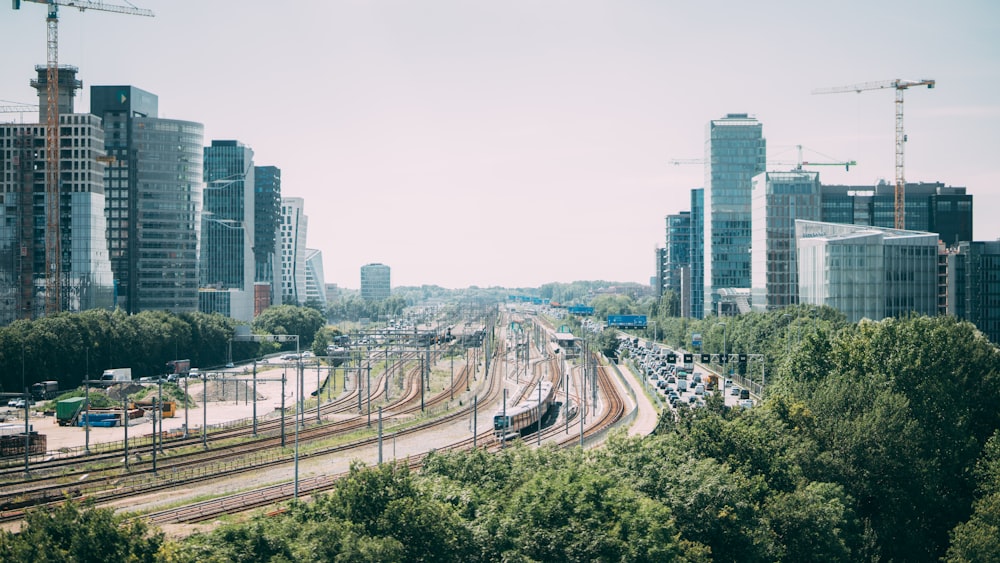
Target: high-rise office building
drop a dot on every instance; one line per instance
(677, 261)
(154, 190)
(294, 227)
(779, 198)
(85, 280)
(375, 282)
(972, 285)
(696, 287)
(735, 152)
(315, 286)
(659, 280)
(867, 272)
(930, 206)
(266, 236)
(227, 230)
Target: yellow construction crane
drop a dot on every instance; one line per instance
(900, 86)
(53, 252)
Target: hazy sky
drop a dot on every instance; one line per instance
(514, 143)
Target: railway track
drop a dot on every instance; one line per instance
(273, 494)
(614, 410)
(194, 465)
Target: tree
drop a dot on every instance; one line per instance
(289, 319)
(69, 533)
(978, 539)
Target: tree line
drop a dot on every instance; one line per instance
(878, 441)
(71, 347)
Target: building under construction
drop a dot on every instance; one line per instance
(81, 277)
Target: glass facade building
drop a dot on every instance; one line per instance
(779, 198)
(735, 152)
(86, 281)
(696, 289)
(375, 282)
(976, 285)
(154, 191)
(267, 222)
(315, 285)
(867, 272)
(294, 227)
(930, 207)
(677, 260)
(227, 227)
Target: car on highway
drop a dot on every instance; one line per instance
(744, 394)
(746, 403)
(734, 390)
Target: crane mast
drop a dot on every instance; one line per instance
(900, 86)
(53, 250)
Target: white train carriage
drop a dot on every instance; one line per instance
(524, 414)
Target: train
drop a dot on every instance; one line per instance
(524, 414)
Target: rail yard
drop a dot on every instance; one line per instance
(392, 406)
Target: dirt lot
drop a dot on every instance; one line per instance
(222, 406)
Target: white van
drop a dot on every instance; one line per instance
(682, 385)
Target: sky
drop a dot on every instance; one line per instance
(515, 143)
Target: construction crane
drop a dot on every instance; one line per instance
(16, 107)
(798, 164)
(53, 252)
(900, 86)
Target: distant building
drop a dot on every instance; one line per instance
(735, 152)
(696, 289)
(375, 282)
(677, 260)
(930, 207)
(227, 230)
(266, 235)
(294, 227)
(971, 284)
(658, 281)
(867, 272)
(154, 189)
(86, 280)
(315, 286)
(779, 199)
(332, 291)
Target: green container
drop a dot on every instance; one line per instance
(67, 409)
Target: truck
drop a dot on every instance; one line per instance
(68, 410)
(45, 390)
(115, 375)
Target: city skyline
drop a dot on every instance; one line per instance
(516, 145)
